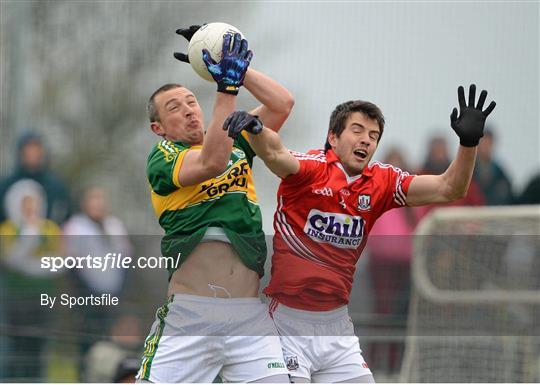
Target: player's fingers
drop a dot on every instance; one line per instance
(489, 108)
(243, 48)
(186, 33)
(236, 44)
(181, 56)
(226, 48)
(249, 56)
(236, 123)
(453, 115)
(207, 59)
(481, 100)
(227, 122)
(256, 127)
(472, 95)
(461, 97)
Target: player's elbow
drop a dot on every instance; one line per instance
(288, 102)
(456, 193)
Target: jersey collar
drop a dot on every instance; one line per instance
(331, 157)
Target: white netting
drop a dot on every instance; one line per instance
(475, 307)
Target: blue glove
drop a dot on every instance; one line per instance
(230, 71)
(241, 120)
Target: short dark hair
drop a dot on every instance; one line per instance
(342, 112)
(151, 109)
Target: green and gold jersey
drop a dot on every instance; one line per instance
(228, 201)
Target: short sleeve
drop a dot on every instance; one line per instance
(242, 142)
(310, 166)
(396, 183)
(163, 167)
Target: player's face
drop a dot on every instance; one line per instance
(181, 117)
(357, 143)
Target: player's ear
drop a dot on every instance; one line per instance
(157, 129)
(331, 140)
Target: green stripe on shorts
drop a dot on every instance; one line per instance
(152, 341)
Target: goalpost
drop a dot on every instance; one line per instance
(475, 305)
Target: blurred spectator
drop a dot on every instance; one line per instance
(436, 162)
(27, 236)
(531, 193)
(32, 163)
(116, 359)
(93, 231)
(490, 176)
(437, 157)
(390, 252)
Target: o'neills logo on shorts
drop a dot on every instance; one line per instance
(340, 230)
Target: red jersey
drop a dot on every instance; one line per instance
(321, 226)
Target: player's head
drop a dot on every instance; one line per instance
(175, 114)
(356, 127)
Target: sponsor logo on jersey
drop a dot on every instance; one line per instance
(326, 191)
(292, 362)
(239, 153)
(234, 178)
(364, 202)
(340, 230)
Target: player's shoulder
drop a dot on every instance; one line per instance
(384, 168)
(165, 150)
(317, 155)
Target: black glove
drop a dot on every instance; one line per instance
(230, 71)
(187, 33)
(241, 120)
(469, 126)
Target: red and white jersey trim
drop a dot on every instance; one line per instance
(291, 239)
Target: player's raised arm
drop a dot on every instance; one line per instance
(265, 142)
(276, 101)
(454, 182)
(211, 160)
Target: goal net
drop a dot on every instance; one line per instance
(475, 307)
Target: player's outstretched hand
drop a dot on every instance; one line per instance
(241, 120)
(229, 73)
(187, 33)
(469, 125)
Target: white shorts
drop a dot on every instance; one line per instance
(195, 338)
(319, 345)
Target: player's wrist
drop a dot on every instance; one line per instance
(228, 88)
(468, 142)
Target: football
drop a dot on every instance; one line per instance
(209, 36)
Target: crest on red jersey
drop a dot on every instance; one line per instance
(364, 202)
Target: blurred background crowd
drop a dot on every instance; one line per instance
(74, 139)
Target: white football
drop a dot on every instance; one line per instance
(209, 36)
